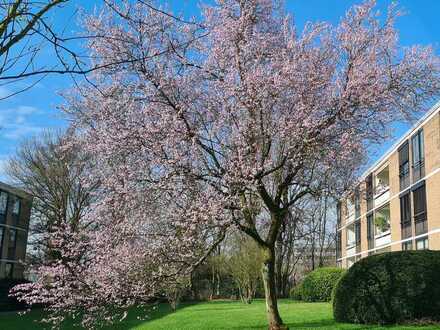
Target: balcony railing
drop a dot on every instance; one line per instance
(382, 195)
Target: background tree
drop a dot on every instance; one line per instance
(53, 175)
(230, 121)
(244, 264)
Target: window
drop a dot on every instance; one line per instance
(2, 230)
(420, 216)
(418, 154)
(338, 214)
(9, 269)
(351, 235)
(3, 206)
(338, 245)
(12, 243)
(382, 181)
(357, 203)
(406, 246)
(404, 165)
(350, 207)
(422, 243)
(382, 220)
(370, 231)
(16, 207)
(357, 232)
(369, 191)
(405, 215)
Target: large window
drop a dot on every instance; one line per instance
(405, 215)
(357, 232)
(338, 245)
(2, 232)
(382, 183)
(382, 220)
(420, 216)
(350, 206)
(369, 191)
(9, 269)
(3, 206)
(12, 243)
(351, 236)
(422, 244)
(404, 165)
(16, 208)
(357, 203)
(338, 214)
(370, 231)
(418, 154)
(406, 246)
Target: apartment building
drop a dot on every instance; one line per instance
(396, 205)
(15, 209)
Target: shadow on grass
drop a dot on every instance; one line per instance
(139, 315)
(136, 316)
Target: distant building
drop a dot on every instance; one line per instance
(396, 205)
(15, 209)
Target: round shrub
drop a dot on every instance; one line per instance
(390, 288)
(318, 284)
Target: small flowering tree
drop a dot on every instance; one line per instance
(198, 126)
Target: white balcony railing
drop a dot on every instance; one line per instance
(381, 196)
(383, 238)
(351, 251)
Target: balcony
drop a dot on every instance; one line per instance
(383, 239)
(382, 226)
(382, 184)
(351, 251)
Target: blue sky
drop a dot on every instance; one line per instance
(31, 112)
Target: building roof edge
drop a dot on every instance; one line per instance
(425, 118)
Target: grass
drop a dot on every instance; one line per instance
(216, 315)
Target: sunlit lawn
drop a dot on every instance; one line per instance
(216, 315)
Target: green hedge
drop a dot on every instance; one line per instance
(318, 284)
(390, 288)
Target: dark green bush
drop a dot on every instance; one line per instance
(390, 288)
(318, 284)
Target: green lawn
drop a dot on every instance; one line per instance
(216, 315)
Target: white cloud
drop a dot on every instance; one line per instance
(16, 123)
(18, 131)
(23, 110)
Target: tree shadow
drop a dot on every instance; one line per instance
(139, 315)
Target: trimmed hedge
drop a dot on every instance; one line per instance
(390, 288)
(10, 303)
(318, 284)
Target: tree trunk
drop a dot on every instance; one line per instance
(268, 274)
